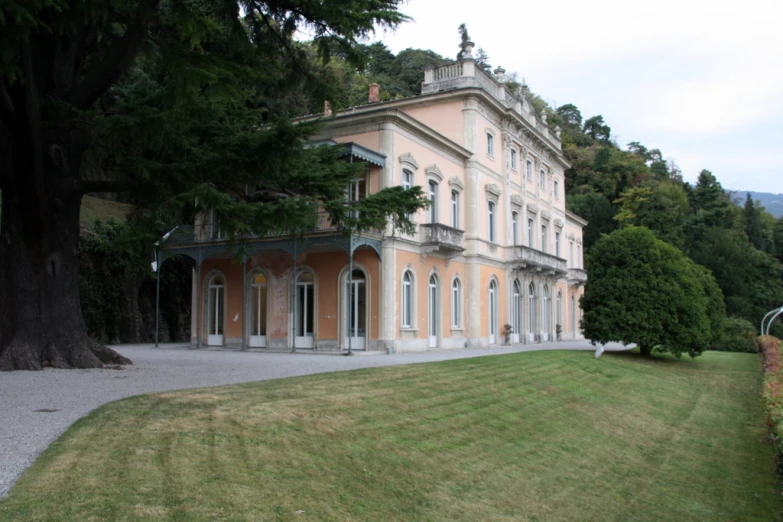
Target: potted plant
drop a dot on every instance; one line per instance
(507, 330)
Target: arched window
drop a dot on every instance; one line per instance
(493, 312)
(456, 303)
(560, 309)
(216, 303)
(433, 312)
(305, 310)
(491, 220)
(407, 300)
(531, 297)
(547, 326)
(258, 310)
(516, 308)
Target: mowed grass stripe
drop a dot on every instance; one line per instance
(534, 436)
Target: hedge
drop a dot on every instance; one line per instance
(773, 393)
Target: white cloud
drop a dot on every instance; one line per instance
(674, 74)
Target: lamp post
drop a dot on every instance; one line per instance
(156, 268)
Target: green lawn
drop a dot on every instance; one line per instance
(532, 436)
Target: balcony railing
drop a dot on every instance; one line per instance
(531, 259)
(211, 233)
(577, 276)
(442, 236)
(456, 75)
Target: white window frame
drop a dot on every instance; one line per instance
(456, 303)
(432, 195)
(557, 244)
(556, 189)
(490, 144)
(515, 228)
(491, 211)
(407, 178)
(531, 239)
(408, 288)
(514, 160)
(542, 178)
(455, 209)
(544, 242)
(529, 170)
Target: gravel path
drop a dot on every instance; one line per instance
(37, 407)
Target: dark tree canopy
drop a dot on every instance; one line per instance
(642, 290)
(170, 102)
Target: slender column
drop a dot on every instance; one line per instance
(157, 296)
(200, 308)
(387, 300)
(244, 313)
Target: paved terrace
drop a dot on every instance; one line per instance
(37, 407)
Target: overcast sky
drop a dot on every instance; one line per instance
(700, 80)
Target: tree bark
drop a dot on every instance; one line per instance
(41, 321)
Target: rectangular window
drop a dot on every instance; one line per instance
(529, 170)
(490, 144)
(433, 197)
(407, 179)
(557, 244)
(514, 227)
(530, 241)
(455, 209)
(556, 189)
(491, 220)
(542, 180)
(513, 159)
(543, 238)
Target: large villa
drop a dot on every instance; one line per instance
(496, 247)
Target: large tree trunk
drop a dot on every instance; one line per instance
(41, 320)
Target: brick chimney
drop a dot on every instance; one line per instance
(375, 93)
(327, 108)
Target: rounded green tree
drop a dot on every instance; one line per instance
(643, 290)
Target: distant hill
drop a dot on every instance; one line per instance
(773, 203)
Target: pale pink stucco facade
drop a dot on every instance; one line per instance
(497, 247)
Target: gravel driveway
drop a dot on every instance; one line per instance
(37, 407)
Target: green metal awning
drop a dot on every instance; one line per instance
(355, 150)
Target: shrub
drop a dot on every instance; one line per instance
(738, 335)
(773, 393)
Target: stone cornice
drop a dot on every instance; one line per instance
(455, 182)
(379, 117)
(517, 200)
(533, 209)
(570, 216)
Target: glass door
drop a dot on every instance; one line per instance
(355, 311)
(433, 312)
(493, 313)
(258, 294)
(215, 305)
(305, 310)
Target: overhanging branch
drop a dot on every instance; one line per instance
(117, 60)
